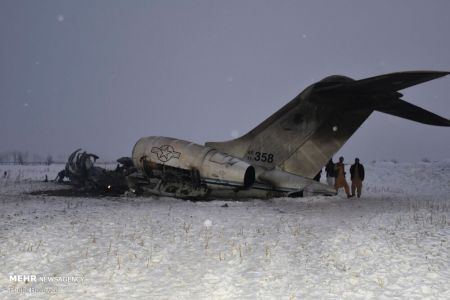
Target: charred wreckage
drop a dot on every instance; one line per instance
(82, 173)
(278, 158)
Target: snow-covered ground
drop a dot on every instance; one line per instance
(394, 242)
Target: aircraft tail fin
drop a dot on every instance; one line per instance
(303, 135)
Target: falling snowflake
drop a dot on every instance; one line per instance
(234, 133)
(207, 223)
(60, 18)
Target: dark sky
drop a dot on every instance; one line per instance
(101, 74)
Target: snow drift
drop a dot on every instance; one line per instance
(393, 242)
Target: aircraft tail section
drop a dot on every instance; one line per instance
(303, 135)
(380, 93)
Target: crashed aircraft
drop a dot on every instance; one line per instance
(280, 156)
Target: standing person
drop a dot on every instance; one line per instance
(357, 176)
(340, 181)
(329, 169)
(317, 177)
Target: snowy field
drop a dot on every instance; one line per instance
(393, 243)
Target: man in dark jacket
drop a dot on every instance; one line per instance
(317, 177)
(329, 169)
(357, 176)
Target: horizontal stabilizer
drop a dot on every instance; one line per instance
(397, 81)
(379, 84)
(403, 109)
(378, 93)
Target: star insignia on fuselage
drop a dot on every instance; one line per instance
(165, 153)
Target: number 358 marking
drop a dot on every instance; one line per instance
(263, 157)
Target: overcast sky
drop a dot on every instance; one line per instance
(101, 74)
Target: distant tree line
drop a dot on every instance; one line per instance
(24, 157)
